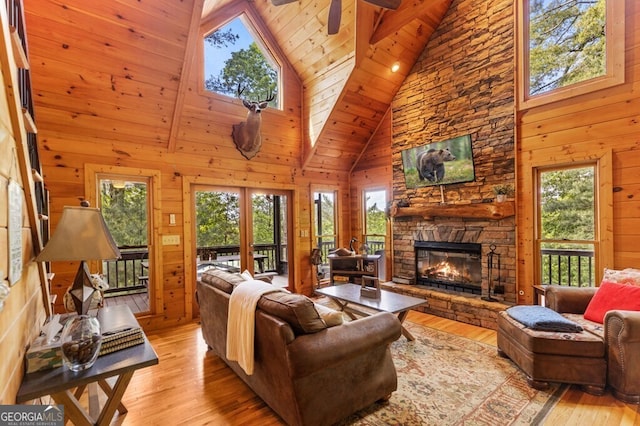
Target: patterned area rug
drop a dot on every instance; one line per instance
(444, 379)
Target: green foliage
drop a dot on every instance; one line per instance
(263, 223)
(217, 219)
(124, 211)
(503, 189)
(376, 221)
(567, 202)
(247, 69)
(222, 38)
(567, 42)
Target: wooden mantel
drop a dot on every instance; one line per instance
(493, 210)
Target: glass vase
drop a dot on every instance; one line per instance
(81, 341)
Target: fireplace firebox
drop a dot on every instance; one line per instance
(449, 266)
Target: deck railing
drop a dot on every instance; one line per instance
(275, 261)
(573, 268)
(129, 273)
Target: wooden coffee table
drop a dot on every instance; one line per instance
(345, 294)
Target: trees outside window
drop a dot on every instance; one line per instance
(567, 226)
(218, 218)
(567, 43)
(325, 222)
(568, 47)
(123, 206)
(375, 222)
(235, 60)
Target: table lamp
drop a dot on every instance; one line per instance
(81, 235)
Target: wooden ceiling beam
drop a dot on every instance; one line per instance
(393, 21)
(189, 58)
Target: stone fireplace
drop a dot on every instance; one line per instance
(451, 266)
(461, 85)
(465, 244)
(466, 300)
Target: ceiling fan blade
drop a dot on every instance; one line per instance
(335, 14)
(281, 2)
(387, 4)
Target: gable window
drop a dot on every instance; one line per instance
(568, 47)
(238, 63)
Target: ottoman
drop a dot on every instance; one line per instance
(546, 356)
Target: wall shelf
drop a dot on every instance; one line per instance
(493, 210)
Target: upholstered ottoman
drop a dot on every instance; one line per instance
(546, 356)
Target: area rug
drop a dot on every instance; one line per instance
(444, 379)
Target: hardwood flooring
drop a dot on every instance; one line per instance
(191, 386)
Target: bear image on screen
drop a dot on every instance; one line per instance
(439, 163)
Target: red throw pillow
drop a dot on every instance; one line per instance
(612, 296)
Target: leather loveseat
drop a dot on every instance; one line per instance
(308, 373)
(602, 355)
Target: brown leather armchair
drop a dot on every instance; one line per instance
(621, 335)
(601, 356)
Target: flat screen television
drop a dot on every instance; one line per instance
(439, 163)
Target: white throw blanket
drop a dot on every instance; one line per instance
(241, 321)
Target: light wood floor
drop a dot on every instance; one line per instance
(193, 387)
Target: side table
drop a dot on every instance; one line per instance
(66, 387)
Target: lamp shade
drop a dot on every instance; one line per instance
(81, 234)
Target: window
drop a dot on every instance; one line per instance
(568, 237)
(375, 223)
(325, 224)
(569, 47)
(238, 63)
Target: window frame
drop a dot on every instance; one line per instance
(615, 59)
(603, 201)
(261, 36)
(365, 229)
(314, 217)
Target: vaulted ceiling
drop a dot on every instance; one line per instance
(104, 62)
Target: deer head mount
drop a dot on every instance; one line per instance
(246, 135)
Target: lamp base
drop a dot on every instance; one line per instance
(82, 290)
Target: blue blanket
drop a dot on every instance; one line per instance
(541, 318)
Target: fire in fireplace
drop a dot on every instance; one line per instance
(450, 266)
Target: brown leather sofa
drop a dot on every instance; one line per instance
(308, 373)
(602, 355)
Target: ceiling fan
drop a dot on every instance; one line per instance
(335, 10)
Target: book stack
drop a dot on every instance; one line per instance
(119, 328)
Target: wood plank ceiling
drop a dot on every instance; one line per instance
(97, 76)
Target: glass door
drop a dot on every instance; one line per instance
(218, 229)
(268, 248)
(243, 229)
(125, 205)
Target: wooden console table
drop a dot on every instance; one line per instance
(59, 383)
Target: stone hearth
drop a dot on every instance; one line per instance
(469, 309)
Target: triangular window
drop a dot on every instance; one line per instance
(237, 63)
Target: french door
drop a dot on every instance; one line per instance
(243, 229)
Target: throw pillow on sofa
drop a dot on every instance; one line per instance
(629, 276)
(295, 309)
(612, 296)
(331, 317)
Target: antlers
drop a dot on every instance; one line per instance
(240, 90)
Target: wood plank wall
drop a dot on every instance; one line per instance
(23, 310)
(577, 129)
